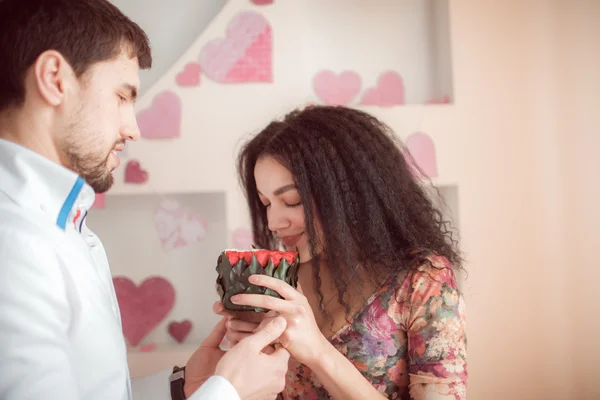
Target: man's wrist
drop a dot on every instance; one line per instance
(177, 383)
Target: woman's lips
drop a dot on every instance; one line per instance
(290, 241)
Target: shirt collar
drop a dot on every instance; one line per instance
(34, 182)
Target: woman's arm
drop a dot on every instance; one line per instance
(432, 311)
(341, 379)
(305, 342)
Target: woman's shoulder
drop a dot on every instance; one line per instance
(428, 265)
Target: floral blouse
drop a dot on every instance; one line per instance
(408, 341)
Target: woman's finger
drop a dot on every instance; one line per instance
(285, 290)
(241, 326)
(219, 308)
(262, 301)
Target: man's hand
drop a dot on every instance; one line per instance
(201, 365)
(254, 374)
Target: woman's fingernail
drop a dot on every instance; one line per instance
(254, 279)
(235, 299)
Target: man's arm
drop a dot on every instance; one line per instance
(34, 320)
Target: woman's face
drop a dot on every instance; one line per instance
(285, 210)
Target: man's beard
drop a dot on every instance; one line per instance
(94, 171)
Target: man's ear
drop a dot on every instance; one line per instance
(53, 77)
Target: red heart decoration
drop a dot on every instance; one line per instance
(143, 307)
(262, 2)
(180, 330)
(134, 173)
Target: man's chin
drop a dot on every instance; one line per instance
(101, 185)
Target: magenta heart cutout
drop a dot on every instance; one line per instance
(134, 173)
(244, 55)
(422, 149)
(180, 330)
(162, 120)
(388, 92)
(336, 89)
(143, 307)
(190, 76)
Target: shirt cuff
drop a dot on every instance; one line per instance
(216, 386)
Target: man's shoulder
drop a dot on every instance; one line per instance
(19, 225)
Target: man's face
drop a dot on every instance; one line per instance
(100, 120)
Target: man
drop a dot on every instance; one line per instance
(68, 81)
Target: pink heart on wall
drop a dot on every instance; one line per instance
(262, 2)
(143, 307)
(422, 150)
(177, 226)
(336, 89)
(190, 76)
(134, 173)
(244, 55)
(388, 92)
(98, 201)
(443, 100)
(180, 330)
(162, 120)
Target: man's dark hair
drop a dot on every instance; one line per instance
(83, 31)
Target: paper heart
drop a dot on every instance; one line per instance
(336, 89)
(422, 150)
(176, 226)
(162, 120)
(242, 239)
(443, 100)
(99, 201)
(134, 173)
(190, 76)
(262, 2)
(143, 307)
(180, 330)
(388, 92)
(148, 348)
(244, 55)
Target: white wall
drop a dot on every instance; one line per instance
(519, 143)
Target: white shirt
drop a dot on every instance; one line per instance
(60, 326)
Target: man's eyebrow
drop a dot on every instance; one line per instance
(132, 91)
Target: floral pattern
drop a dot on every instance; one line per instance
(408, 341)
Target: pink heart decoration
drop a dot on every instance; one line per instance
(262, 2)
(176, 226)
(422, 150)
(162, 120)
(134, 173)
(244, 55)
(443, 100)
(337, 90)
(143, 307)
(180, 330)
(190, 76)
(388, 92)
(98, 201)
(148, 348)
(242, 239)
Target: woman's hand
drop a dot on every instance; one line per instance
(240, 324)
(302, 337)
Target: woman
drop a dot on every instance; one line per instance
(378, 313)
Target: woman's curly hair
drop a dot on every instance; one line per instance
(372, 212)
